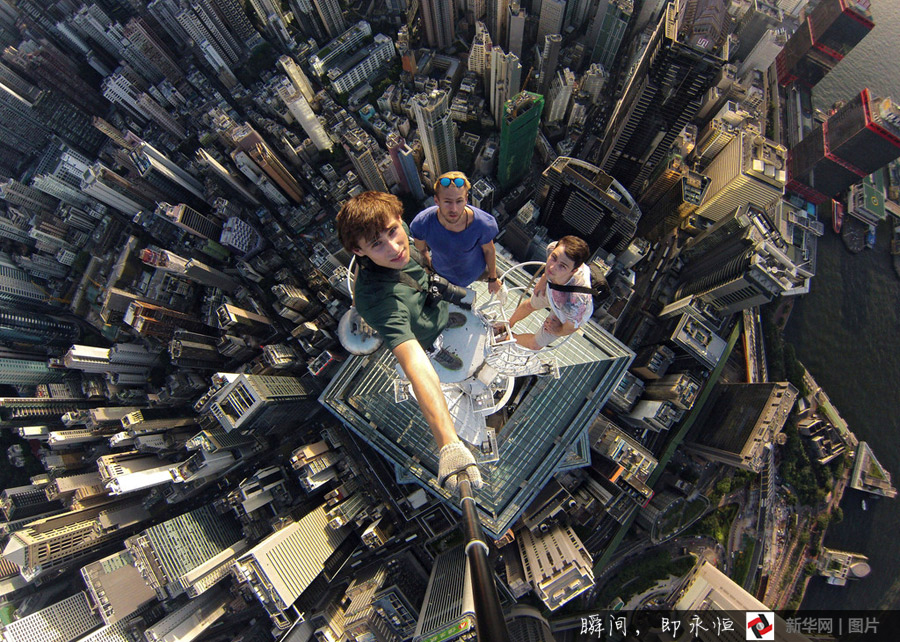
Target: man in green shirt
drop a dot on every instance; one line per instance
(391, 295)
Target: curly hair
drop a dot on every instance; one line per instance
(365, 216)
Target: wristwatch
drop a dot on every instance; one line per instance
(491, 279)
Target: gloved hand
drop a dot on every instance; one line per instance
(454, 459)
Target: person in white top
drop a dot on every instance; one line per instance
(570, 306)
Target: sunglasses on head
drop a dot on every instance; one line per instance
(459, 182)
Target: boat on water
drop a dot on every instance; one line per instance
(864, 507)
(837, 216)
(853, 234)
(870, 237)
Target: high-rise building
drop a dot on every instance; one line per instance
(505, 80)
(437, 131)
(203, 25)
(527, 624)
(191, 619)
(26, 501)
(607, 29)
(248, 140)
(751, 169)
(116, 586)
(361, 395)
(828, 34)
(36, 328)
(448, 610)
(740, 262)
(60, 541)
(549, 60)
(518, 129)
(860, 138)
(166, 554)
(115, 191)
(260, 402)
(16, 286)
(480, 52)
(66, 620)
(159, 171)
(742, 422)
(663, 94)
(439, 21)
(515, 27)
(551, 18)
(578, 198)
(151, 320)
(297, 77)
(25, 372)
(189, 268)
(495, 17)
(405, 165)
(358, 146)
(556, 564)
(330, 13)
(284, 564)
(559, 96)
(675, 206)
(190, 220)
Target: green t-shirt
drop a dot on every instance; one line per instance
(396, 310)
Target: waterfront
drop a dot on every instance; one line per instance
(845, 332)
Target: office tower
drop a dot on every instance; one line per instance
(116, 586)
(24, 372)
(139, 35)
(505, 80)
(203, 25)
(679, 389)
(518, 130)
(742, 422)
(482, 194)
(236, 19)
(151, 320)
(858, 139)
(240, 237)
(440, 24)
(283, 565)
(448, 610)
(52, 543)
(593, 81)
(740, 262)
(358, 146)
(606, 30)
(190, 620)
(751, 169)
(297, 77)
(828, 34)
(559, 96)
(361, 395)
(25, 196)
(556, 564)
(115, 191)
(26, 501)
(190, 220)
(362, 65)
(16, 287)
(480, 52)
(437, 131)
(231, 180)
(526, 624)
(230, 317)
(655, 416)
(330, 13)
(166, 554)
(61, 622)
(120, 90)
(662, 96)
(515, 27)
(248, 140)
(405, 165)
(261, 402)
(676, 205)
(495, 18)
(155, 168)
(189, 268)
(35, 328)
(718, 132)
(548, 61)
(759, 17)
(578, 198)
(122, 357)
(551, 18)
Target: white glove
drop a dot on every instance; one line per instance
(454, 459)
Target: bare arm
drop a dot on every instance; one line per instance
(490, 259)
(427, 388)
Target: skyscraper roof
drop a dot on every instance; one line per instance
(543, 431)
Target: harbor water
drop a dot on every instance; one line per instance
(847, 333)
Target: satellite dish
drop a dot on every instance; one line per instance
(357, 336)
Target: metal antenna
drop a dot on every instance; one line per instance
(489, 621)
